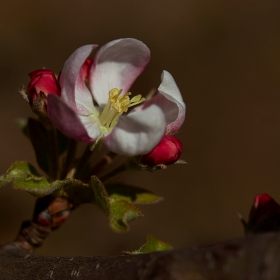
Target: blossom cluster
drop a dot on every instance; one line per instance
(91, 100)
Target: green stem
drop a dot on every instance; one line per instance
(53, 152)
(69, 158)
(106, 160)
(83, 162)
(114, 172)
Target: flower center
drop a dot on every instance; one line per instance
(117, 105)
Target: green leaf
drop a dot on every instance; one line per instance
(131, 193)
(25, 177)
(119, 211)
(152, 244)
(21, 169)
(37, 186)
(101, 198)
(122, 212)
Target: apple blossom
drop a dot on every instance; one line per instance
(168, 150)
(86, 114)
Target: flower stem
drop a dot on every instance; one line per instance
(106, 160)
(54, 166)
(83, 162)
(114, 172)
(69, 158)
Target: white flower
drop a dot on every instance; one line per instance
(86, 114)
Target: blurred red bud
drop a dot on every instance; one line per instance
(167, 151)
(264, 215)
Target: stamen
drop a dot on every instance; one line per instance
(116, 106)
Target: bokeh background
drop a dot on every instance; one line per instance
(225, 58)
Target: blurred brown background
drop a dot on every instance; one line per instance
(225, 58)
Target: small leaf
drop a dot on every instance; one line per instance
(21, 169)
(76, 190)
(131, 193)
(25, 177)
(101, 198)
(122, 212)
(152, 244)
(37, 186)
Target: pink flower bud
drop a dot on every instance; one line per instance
(264, 214)
(86, 68)
(43, 81)
(168, 150)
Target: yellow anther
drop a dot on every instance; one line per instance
(117, 105)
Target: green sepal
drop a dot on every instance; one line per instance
(131, 193)
(23, 93)
(97, 144)
(152, 244)
(122, 212)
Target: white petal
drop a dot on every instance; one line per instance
(117, 64)
(169, 89)
(138, 132)
(73, 89)
(91, 124)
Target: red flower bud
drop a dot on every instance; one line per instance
(264, 214)
(86, 68)
(168, 150)
(43, 81)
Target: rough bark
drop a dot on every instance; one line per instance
(255, 257)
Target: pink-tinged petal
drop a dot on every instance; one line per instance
(66, 120)
(169, 89)
(137, 133)
(116, 65)
(169, 99)
(73, 89)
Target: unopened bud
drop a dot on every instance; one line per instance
(167, 151)
(43, 82)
